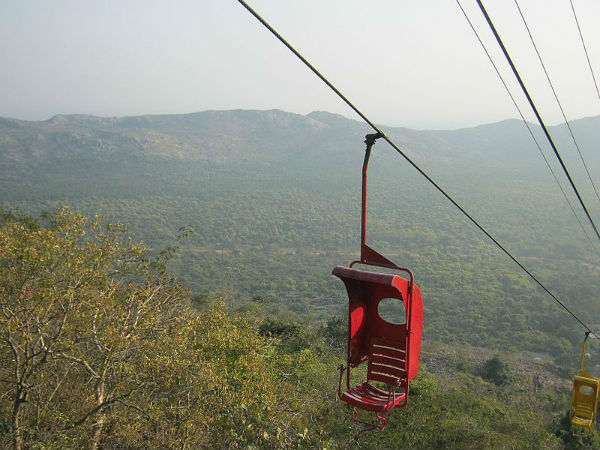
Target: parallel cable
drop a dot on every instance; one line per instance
(528, 128)
(410, 161)
(585, 49)
(537, 115)
(557, 100)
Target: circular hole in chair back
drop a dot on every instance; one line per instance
(586, 390)
(392, 310)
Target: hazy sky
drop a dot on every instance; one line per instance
(405, 63)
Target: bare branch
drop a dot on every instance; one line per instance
(9, 340)
(80, 361)
(98, 408)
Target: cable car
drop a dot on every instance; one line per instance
(584, 402)
(390, 350)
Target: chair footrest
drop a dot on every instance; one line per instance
(371, 398)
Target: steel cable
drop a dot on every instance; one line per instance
(558, 101)
(410, 161)
(529, 129)
(537, 115)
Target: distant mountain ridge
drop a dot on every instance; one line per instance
(261, 136)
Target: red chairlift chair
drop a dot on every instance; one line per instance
(391, 350)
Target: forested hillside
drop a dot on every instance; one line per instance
(256, 207)
(273, 199)
(101, 348)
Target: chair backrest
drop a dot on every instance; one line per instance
(387, 362)
(365, 291)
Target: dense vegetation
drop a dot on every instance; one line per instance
(101, 348)
(240, 326)
(257, 234)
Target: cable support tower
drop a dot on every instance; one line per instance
(411, 162)
(557, 100)
(537, 115)
(529, 129)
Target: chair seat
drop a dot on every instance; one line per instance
(581, 422)
(370, 398)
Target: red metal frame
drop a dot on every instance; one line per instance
(367, 254)
(365, 326)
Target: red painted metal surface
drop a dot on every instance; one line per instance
(371, 398)
(392, 349)
(365, 291)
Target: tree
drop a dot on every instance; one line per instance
(496, 371)
(78, 302)
(99, 347)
